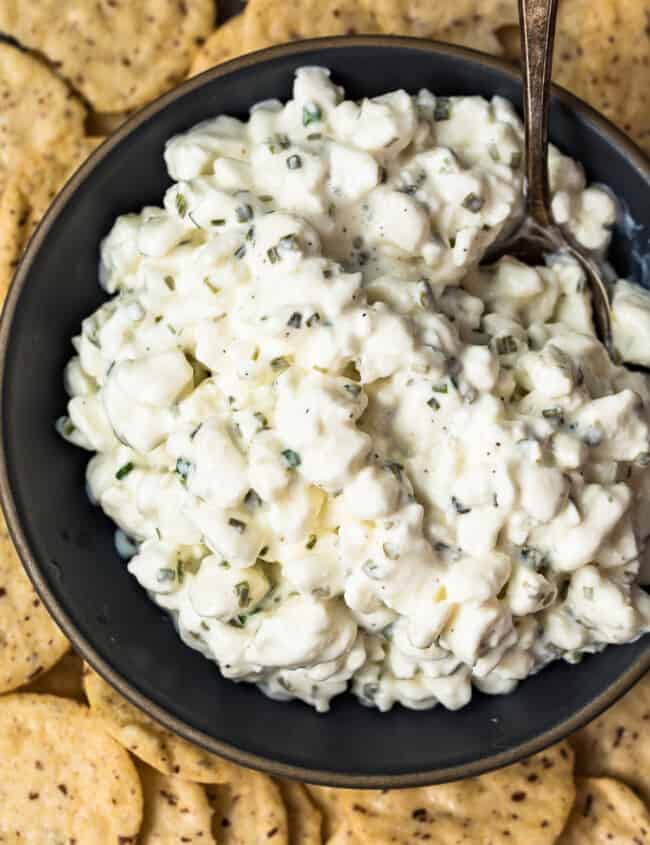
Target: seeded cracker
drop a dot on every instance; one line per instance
(63, 679)
(224, 44)
(602, 54)
(38, 112)
(30, 642)
(304, 818)
(27, 196)
(118, 53)
(149, 741)
(470, 23)
(248, 809)
(617, 744)
(268, 22)
(62, 778)
(606, 812)
(175, 812)
(525, 803)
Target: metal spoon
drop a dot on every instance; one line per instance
(538, 235)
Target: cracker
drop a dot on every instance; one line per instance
(118, 53)
(268, 22)
(469, 23)
(606, 812)
(62, 778)
(525, 803)
(39, 112)
(248, 809)
(224, 44)
(27, 196)
(63, 679)
(303, 816)
(602, 55)
(30, 642)
(176, 812)
(149, 741)
(329, 802)
(617, 744)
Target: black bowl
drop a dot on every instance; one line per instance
(67, 545)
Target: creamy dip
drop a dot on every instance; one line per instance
(340, 453)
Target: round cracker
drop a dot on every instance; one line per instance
(268, 22)
(329, 802)
(29, 193)
(149, 741)
(224, 44)
(63, 679)
(602, 55)
(39, 112)
(525, 803)
(62, 778)
(606, 812)
(248, 809)
(617, 744)
(30, 642)
(469, 23)
(176, 812)
(118, 53)
(303, 816)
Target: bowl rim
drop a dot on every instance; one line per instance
(34, 568)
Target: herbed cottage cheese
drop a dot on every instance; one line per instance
(345, 454)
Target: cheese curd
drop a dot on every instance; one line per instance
(342, 454)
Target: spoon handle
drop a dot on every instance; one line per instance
(537, 22)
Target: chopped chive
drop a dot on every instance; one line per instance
(183, 468)
(124, 470)
(266, 198)
(506, 345)
(291, 458)
(311, 113)
(181, 205)
(263, 551)
(311, 321)
(243, 591)
(294, 162)
(288, 242)
(295, 320)
(440, 388)
(442, 109)
(237, 524)
(218, 221)
(459, 507)
(252, 499)
(240, 252)
(473, 202)
(311, 541)
(208, 284)
(165, 574)
(553, 414)
(169, 281)
(224, 564)
(434, 404)
(314, 136)
(279, 363)
(273, 254)
(262, 420)
(244, 213)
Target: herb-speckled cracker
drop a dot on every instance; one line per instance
(224, 44)
(470, 23)
(268, 22)
(303, 816)
(28, 194)
(148, 740)
(617, 744)
(606, 812)
(63, 679)
(30, 642)
(38, 111)
(118, 53)
(176, 812)
(62, 778)
(602, 54)
(525, 803)
(248, 809)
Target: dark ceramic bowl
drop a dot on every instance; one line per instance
(67, 545)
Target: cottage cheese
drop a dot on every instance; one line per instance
(342, 454)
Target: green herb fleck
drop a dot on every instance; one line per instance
(218, 221)
(434, 404)
(124, 470)
(279, 364)
(252, 499)
(294, 162)
(243, 591)
(440, 388)
(183, 468)
(311, 321)
(311, 541)
(165, 574)
(181, 205)
(473, 202)
(262, 420)
(459, 507)
(244, 213)
(291, 458)
(311, 113)
(240, 252)
(295, 320)
(237, 524)
(169, 281)
(273, 255)
(442, 110)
